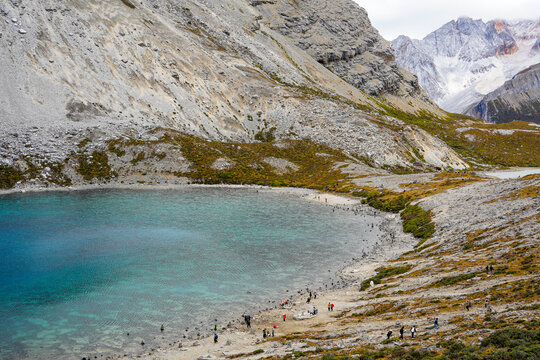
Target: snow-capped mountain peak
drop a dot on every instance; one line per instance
(465, 58)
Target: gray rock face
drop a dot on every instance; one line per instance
(214, 69)
(517, 99)
(339, 35)
(536, 47)
(465, 59)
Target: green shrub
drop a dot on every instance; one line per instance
(418, 222)
(266, 136)
(96, 167)
(451, 280)
(385, 272)
(140, 157)
(375, 199)
(9, 176)
(511, 338)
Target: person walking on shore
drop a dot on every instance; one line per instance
(401, 331)
(413, 331)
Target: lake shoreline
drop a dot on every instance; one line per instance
(348, 274)
(451, 210)
(236, 336)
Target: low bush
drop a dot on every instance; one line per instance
(97, 166)
(451, 280)
(9, 176)
(384, 201)
(418, 222)
(385, 272)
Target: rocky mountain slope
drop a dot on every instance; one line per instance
(516, 99)
(465, 59)
(91, 90)
(216, 70)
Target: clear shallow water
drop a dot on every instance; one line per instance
(79, 270)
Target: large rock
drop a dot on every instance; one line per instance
(339, 35)
(516, 99)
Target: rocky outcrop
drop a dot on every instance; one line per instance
(465, 59)
(339, 35)
(517, 99)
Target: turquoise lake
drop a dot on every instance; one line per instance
(79, 270)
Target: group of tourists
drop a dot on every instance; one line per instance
(267, 334)
(413, 330)
(402, 332)
(312, 295)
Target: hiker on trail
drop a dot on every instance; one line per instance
(284, 317)
(469, 305)
(308, 299)
(491, 269)
(247, 318)
(162, 328)
(401, 331)
(486, 303)
(215, 327)
(215, 338)
(388, 334)
(273, 334)
(264, 333)
(413, 331)
(436, 323)
(487, 269)
(329, 306)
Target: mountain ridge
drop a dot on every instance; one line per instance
(517, 99)
(465, 59)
